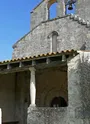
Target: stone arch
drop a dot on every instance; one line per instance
(48, 94)
(53, 41)
(61, 9)
(58, 102)
(50, 2)
(52, 33)
(54, 85)
(53, 93)
(52, 9)
(55, 33)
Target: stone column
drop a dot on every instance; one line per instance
(32, 87)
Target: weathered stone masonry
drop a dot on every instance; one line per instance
(73, 33)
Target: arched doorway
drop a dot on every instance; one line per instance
(58, 102)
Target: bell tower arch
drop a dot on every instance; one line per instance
(41, 12)
(50, 2)
(60, 6)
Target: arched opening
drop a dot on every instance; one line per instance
(53, 41)
(71, 7)
(52, 5)
(58, 102)
(50, 2)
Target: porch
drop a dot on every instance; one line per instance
(33, 83)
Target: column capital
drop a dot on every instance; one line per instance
(32, 69)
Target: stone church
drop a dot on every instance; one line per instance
(47, 81)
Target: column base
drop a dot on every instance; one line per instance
(31, 108)
(32, 105)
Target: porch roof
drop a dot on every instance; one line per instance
(26, 62)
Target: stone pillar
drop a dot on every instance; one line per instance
(61, 8)
(32, 87)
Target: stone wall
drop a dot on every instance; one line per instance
(85, 86)
(79, 89)
(74, 90)
(47, 116)
(78, 109)
(72, 35)
(41, 12)
(83, 9)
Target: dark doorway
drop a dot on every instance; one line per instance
(58, 102)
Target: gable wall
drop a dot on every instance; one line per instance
(41, 12)
(71, 36)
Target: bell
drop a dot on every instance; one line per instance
(70, 7)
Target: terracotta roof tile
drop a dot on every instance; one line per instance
(39, 56)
